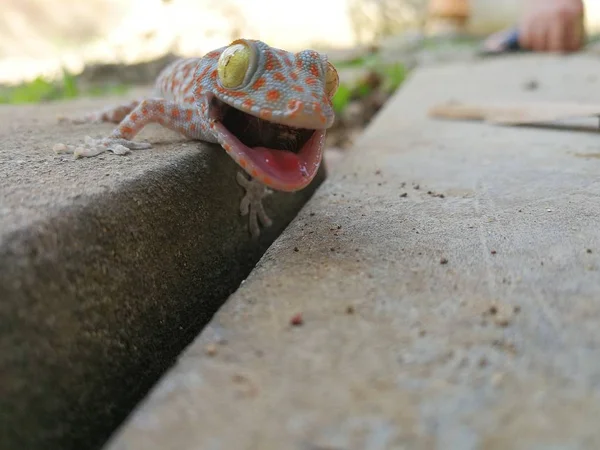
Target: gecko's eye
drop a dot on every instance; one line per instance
(332, 80)
(233, 65)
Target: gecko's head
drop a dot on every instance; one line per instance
(270, 110)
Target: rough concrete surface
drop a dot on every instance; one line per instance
(109, 266)
(468, 321)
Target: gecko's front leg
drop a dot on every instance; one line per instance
(251, 204)
(184, 119)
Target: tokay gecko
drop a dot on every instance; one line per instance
(268, 108)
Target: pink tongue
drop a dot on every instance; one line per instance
(280, 161)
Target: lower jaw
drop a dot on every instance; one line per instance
(290, 180)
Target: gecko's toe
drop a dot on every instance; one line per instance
(252, 205)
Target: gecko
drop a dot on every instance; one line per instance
(268, 108)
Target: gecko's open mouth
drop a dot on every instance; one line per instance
(283, 157)
(255, 132)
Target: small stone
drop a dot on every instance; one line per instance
(531, 85)
(297, 320)
(502, 322)
(444, 261)
(210, 349)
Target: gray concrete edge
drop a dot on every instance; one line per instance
(100, 298)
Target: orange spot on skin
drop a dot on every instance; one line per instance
(272, 63)
(134, 117)
(213, 74)
(314, 70)
(161, 109)
(267, 180)
(199, 89)
(278, 76)
(189, 99)
(254, 173)
(315, 95)
(259, 83)
(298, 88)
(126, 131)
(265, 113)
(311, 81)
(193, 127)
(227, 147)
(175, 113)
(322, 118)
(204, 72)
(243, 163)
(237, 94)
(299, 63)
(248, 103)
(294, 76)
(213, 54)
(273, 95)
(188, 115)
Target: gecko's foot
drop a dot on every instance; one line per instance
(252, 203)
(94, 147)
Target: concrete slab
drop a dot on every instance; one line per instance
(109, 266)
(463, 321)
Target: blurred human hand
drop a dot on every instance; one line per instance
(553, 26)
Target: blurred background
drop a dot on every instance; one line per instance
(43, 37)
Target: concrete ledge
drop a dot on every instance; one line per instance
(447, 295)
(109, 266)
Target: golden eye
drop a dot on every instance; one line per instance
(332, 80)
(233, 64)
